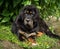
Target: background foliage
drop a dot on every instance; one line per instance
(10, 8)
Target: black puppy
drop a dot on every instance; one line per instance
(28, 23)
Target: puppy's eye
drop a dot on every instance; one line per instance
(26, 14)
(30, 12)
(33, 12)
(31, 15)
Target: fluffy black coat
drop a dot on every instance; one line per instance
(38, 26)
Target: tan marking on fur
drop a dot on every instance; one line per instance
(39, 33)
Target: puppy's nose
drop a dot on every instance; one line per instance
(28, 20)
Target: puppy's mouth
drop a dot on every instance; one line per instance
(28, 24)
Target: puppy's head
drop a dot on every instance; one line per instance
(29, 16)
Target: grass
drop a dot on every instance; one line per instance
(44, 41)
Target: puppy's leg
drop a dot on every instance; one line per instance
(32, 34)
(26, 34)
(32, 41)
(21, 35)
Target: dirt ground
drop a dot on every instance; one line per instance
(8, 45)
(54, 23)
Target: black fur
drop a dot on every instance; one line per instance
(38, 23)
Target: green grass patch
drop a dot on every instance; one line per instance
(44, 41)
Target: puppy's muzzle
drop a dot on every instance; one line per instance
(28, 22)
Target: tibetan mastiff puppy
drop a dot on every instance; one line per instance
(28, 24)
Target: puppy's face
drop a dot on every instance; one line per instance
(29, 18)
